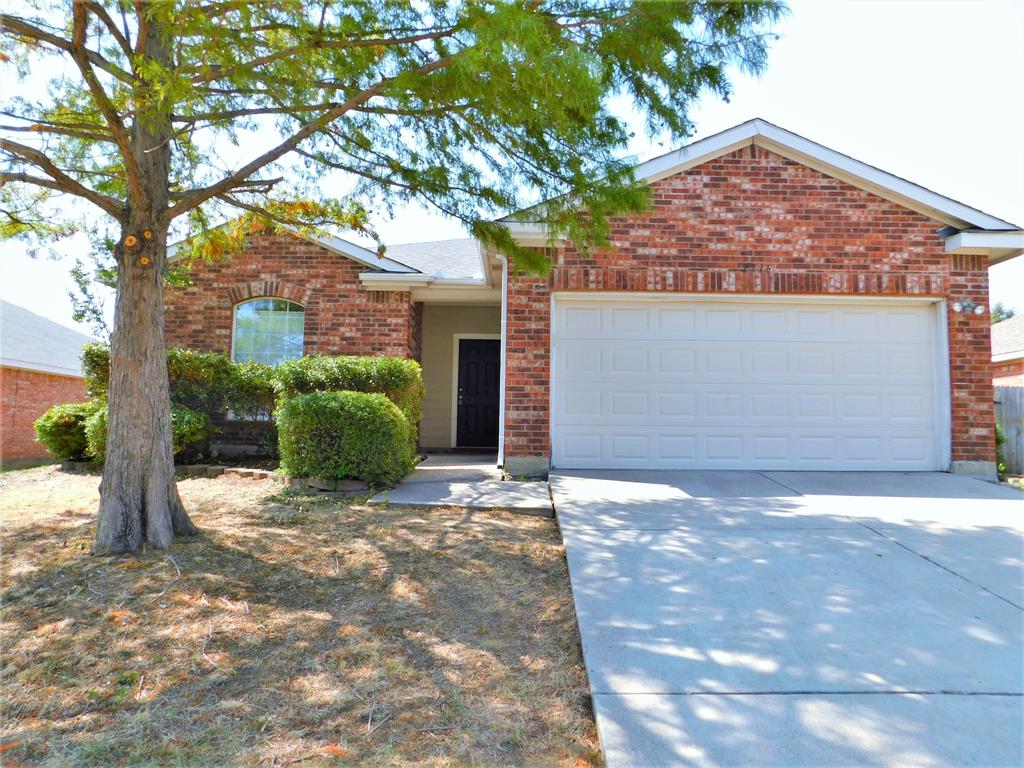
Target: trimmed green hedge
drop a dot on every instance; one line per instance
(400, 380)
(344, 436)
(187, 427)
(62, 428)
(210, 383)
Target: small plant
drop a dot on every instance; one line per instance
(1000, 459)
(344, 436)
(62, 428)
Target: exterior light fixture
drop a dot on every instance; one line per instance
(968, 308)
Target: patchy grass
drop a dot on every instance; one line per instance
(1015, 481)
(292, 631)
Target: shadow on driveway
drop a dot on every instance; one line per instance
(805, 619)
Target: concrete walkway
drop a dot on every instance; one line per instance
(798, 619)
(471, 481)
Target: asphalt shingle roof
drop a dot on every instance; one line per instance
(30, 341)
(449, 259)
(1008, 337)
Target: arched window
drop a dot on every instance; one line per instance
(268, 331)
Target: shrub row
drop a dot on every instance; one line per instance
(211, 383)
(337, 417)
(208, 382)
(78, 431)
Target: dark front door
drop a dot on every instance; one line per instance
(477, 398)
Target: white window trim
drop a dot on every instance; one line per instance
(234, 315)
(456, 338)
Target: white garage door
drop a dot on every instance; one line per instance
(658, 383)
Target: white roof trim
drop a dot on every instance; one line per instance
(1017, 354)
(998, 246)
(395, 281)
(29, 365)
(813, 155)
(363, 255)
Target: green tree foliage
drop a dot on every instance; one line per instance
(477, 108)
(1001, 312)
(175, 116)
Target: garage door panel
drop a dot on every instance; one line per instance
(691, 405)
(724, 449)
(725, 385)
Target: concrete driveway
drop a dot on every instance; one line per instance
(811, 619)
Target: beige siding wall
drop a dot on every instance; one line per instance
(440, 324)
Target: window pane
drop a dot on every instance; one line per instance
(268, 331)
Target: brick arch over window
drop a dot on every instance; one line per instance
(342, 316)
(275, 289)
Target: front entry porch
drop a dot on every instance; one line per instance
(461, 360)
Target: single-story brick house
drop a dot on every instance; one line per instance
(40, 367)
(1008, 352)
(781, 306)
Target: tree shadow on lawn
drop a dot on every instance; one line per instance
(300, 630)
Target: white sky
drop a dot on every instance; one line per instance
(932, 91)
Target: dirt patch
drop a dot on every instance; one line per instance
(292, 631)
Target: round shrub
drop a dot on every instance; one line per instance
(187, 427)
(62, 428)
(400, 379)
(344, 436)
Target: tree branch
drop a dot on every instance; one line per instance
(60, 130)
(26, 178)
(64, 183)
(228, 182)
(101, 13)
(22, 28)
(218, 74)
(78, 53)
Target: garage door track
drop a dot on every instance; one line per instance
(743, 618)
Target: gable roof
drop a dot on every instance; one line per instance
(813, 155)
(1008, 339)
(30, 341)
(458, 259)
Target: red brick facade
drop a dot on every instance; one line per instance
(341, 316)
(755, 222)
(24, 396)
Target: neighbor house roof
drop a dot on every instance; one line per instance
(1008, 339)
(30, 341)
(973, 231)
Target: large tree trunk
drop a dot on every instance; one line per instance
(139, 502)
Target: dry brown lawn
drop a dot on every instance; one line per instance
(292, 631)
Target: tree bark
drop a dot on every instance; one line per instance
(139, 502)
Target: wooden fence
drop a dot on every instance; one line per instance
(1010, 416)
